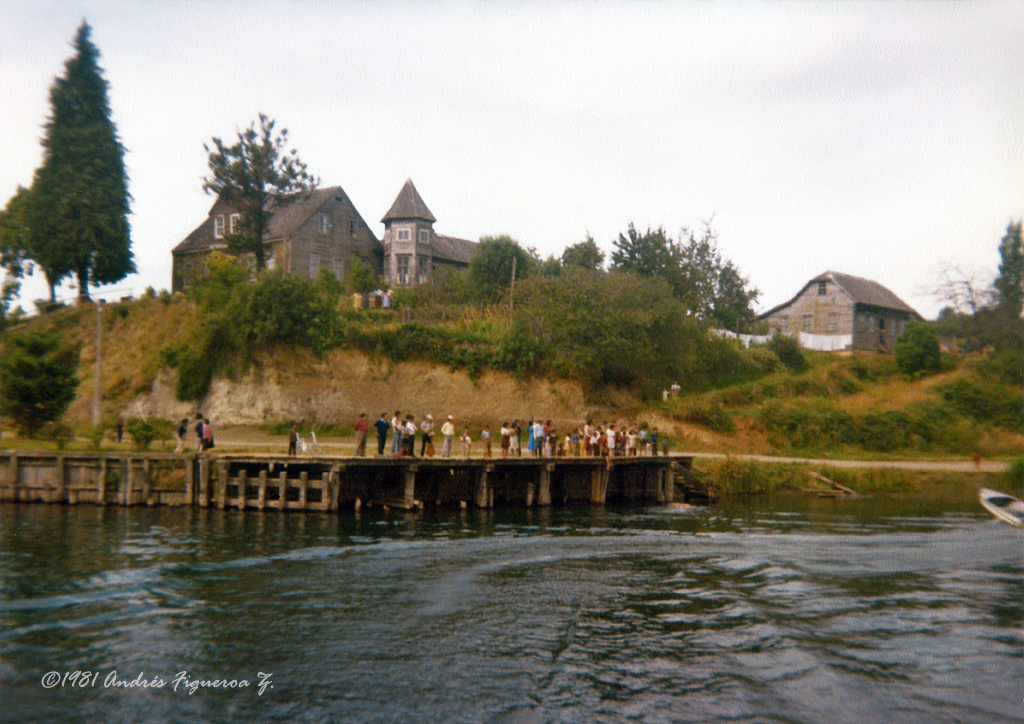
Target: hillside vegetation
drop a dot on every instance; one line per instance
(619, 353)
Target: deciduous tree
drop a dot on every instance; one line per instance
(79, 203)
(490, 269)
(256, 176)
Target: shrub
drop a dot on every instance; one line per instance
(38, 380)
(917, 350)
(144, 432)
(788, 352)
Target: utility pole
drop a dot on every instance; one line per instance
(99, 357)
(512, 288)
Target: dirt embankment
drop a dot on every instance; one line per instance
(334, 390)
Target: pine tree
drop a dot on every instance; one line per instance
(1010, 282)
(256, 176)
(79, 201)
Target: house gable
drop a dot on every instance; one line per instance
(323, 230)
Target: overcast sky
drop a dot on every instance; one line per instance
(881, 139)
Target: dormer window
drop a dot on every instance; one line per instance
(218, 227)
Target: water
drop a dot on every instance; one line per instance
(792, 611)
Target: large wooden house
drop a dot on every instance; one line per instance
(413, 252)
(322, 231)
(839, 311)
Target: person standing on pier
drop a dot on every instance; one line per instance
(485, 435)
(517, 438)
(199, 432)
(361, 427)
(506, 436)
(382, 426)
(397, 428)
(293, 440)
(448, 431)
(427, 426)
(409, 437)
(466, 441)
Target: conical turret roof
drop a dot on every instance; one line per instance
(408, 205)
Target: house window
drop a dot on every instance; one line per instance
(403, 235)
(822, 288)
(351, 227)
(314, 264)
(881, 323)
(424, 236)
(832, 322)
(324, 224)
(218, 227)
(808, 322)
(784, 322)
(423, 270)
(402, 268)
(233, 221)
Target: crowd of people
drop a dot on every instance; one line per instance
(537, 438)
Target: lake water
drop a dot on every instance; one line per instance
(788, 611)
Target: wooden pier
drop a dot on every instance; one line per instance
(330, 484)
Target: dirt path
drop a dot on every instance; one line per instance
(951, 466)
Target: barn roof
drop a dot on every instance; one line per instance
(862, 291)
(408, 205)
(458, 250)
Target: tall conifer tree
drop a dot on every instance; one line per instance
(79, 206)
(1010, 282)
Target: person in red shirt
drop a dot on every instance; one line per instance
(361, 427)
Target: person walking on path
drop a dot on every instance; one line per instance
(361, 427)
(199, 432)
(293, 440)
(382, 426)
(207, 434)
(182, 432)
(448, 431)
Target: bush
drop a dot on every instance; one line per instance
(917, 350)
(144, 432)
(788, 352)
(38, 380)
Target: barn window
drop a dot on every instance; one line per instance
(831, 321)
(822, 288)
(808, 322)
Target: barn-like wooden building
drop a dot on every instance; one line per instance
(838, 311)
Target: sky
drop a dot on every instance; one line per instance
(879, 139)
